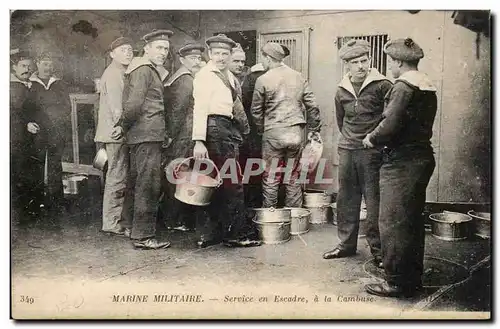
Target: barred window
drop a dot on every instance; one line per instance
(297, 41)
(377, 42)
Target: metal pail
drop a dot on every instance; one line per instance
(194, 188)
(273, 233)
(300, 220)
(482, 223)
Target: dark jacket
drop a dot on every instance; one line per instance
(20, 113)
(359, 115)
(279, 99)
(179, 104)
(252, 143)
(53, 110)
(143, 117)
(409, 113)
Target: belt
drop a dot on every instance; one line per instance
(220, 116)
(216, 117)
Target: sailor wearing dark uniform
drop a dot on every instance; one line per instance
(408, 163)
(179, 104)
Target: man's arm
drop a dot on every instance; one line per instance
(339, 112)
(180, 94)
(312, 110)
(202, 93)
(394, 116)
(257, 108)
(112, 90)
(134, 94)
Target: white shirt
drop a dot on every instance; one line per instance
(211, 96)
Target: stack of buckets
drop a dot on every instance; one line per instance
(320, 204)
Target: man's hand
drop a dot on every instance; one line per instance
(33, 127)
(117, 133)
(200, 150)
(367, 143)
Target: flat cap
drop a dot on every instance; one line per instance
(191, 49)
(403, 50)
(220, 41)
(157, 35)
(275, 50)
(17, 55)
(119, 42)
(354, 48)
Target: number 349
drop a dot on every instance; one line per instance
(27, 299)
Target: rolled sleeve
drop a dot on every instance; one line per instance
(202, 96)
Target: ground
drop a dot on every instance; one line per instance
(66, 268)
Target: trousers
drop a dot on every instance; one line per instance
(282, 147)
(228, 214)
(115, 186)
(142, 193)
(404, 177)
(358, 177)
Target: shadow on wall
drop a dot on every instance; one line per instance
(472, 173)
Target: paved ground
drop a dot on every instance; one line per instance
(72, 270)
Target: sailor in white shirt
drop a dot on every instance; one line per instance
(219, 121)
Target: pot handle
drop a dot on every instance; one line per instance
(219, 179)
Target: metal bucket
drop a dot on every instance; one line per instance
(450, 226)
(321, 214)
(300, 220)
(273, 215)
(101, 160)
(73, 184)
(482, 223)
(315, 198)
(195, 189)
(273, 233)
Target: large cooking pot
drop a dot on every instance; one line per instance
(300, 220)
(316, 198)
(482, 223)
(273, 232)
(450, 226)
(273, 215)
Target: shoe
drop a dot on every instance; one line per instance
(377, 261)
(338, 253)
(119, 232)
(150, 243)
(202, 243)
(388, 290)
(246, 242)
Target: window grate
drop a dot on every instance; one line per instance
(298, 44)
(377, 42)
